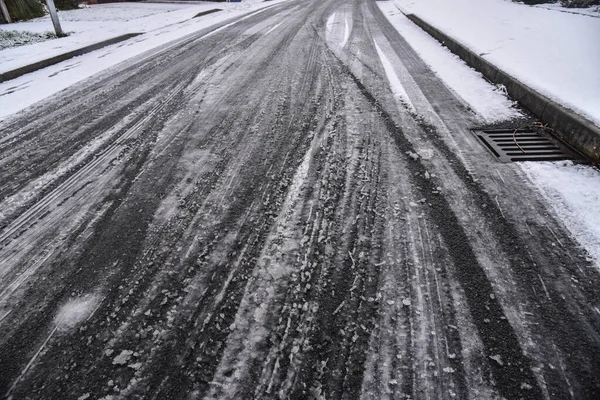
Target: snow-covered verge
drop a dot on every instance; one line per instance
(482, 97)
(162, 23)
(574, 193)
(554, 52)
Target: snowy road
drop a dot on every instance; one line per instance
(256, 213)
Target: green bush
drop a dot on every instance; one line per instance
(21, 10)
(579, 3)
(66, 4)
(564, 3)
(20, 38)
(532, 2)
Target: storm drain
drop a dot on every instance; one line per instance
(525, 145)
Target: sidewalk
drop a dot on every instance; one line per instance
(159, 23)
(95, 24)
(552, 51)
(515, 38)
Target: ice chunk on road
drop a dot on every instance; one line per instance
(75, 311)
(498, 359)
(123, 357)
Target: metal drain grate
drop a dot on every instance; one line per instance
(525, 145)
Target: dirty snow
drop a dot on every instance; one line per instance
(467, 83)
(554, 52)
(574, 193)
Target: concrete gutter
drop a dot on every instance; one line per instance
(206, 12)
(15, 73)
(577, 131)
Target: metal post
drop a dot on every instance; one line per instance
(5, 11)
(54, 16)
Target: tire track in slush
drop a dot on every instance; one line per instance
(15, 345)
(561, 323)
(311, 113)
(67, 115)
(66, 189)
(66, 185)
(512, 370)
(234, 293)
(133, 177)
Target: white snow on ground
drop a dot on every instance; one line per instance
(162, 23)
(554, 52)
(574, 193)
(469, 84)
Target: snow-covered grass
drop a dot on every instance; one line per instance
(593, 11)
(574, 193)
(11, 38)
(160, 23)
(469, 84)
(554, 52)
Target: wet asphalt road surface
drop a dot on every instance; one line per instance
(250, 213)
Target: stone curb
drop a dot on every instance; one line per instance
(577, 131)
(15, 73)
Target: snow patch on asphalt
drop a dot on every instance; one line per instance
(346, 32)
(330, 22)
(395, 83)
(75, 311)
(467, 83)
(333, 28)
(273, 28)
(574, 194)
(123, 357)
